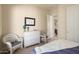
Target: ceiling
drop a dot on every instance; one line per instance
(47, 6)
(43, 6)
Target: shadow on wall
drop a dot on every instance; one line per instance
(6, 20)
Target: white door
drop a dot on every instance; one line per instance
(72, 17)
(50, 26)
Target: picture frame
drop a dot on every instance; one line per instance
(29, 21)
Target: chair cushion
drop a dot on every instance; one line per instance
(15, 43)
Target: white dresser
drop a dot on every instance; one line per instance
(31, 38)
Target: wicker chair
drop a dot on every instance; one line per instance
(13, 42)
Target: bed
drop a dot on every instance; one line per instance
(58, 47)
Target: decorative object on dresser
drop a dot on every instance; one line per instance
(31, 38)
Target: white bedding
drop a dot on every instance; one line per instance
(56, 45)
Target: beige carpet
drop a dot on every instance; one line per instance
(27, 50)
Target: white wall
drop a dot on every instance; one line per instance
(72, 23)
(61, 22)
(13, 18)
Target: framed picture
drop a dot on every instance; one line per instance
(29, 21)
